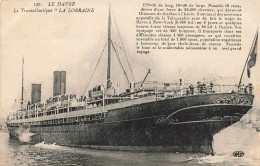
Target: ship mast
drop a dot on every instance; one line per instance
(109, 50)
(22, 85)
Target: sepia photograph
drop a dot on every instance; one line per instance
(110, 82)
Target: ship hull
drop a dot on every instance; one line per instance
(185, 124)
(176, 138)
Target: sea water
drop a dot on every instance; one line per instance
(234, 138)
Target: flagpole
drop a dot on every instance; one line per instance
(247, 58)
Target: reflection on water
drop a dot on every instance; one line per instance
(16, 153)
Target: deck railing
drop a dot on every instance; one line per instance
(161, 94)
(201, 90)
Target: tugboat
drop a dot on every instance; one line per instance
(148, 116)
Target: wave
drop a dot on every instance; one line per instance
(237, 138)
(48, 146)
(24, 134)
(241, 136)
(227, 160)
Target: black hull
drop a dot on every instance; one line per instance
(192, 137)
(185, 124)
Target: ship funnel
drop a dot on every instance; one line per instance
(63, 82)
(36, 93)
(59, 83)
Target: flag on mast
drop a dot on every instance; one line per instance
(253, 54)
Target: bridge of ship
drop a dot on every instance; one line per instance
(73, 110)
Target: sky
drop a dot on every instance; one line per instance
(73, 42)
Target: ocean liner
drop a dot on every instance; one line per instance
(147, 116)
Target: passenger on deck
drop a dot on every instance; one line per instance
(198, 87)
(241, 88)
(28, 105)
(204, 90)
(238, 87)
(250, 88)
(245, 90)
(187, 92)
(211, 86)
(191, 89)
